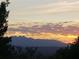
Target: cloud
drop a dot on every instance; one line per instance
(51, 8)
(62, 28)
(62, 31)
(57, 10)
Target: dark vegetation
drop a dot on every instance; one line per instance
(69, 52)
(11, 52)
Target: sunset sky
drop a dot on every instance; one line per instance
(44, 19)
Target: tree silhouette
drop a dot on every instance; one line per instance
(4, 46)
(69, 52)
(3, 16)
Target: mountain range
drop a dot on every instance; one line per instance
(29, 42)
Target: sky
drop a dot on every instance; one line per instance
(44, 10)
(47, 19)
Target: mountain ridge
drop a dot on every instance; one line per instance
(30, 42)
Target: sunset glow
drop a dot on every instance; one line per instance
(46, 19)
(48, 36)
(65, 32)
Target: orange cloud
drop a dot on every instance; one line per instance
(63, 38)
(48, 36)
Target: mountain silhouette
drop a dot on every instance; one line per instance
(29, 42)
